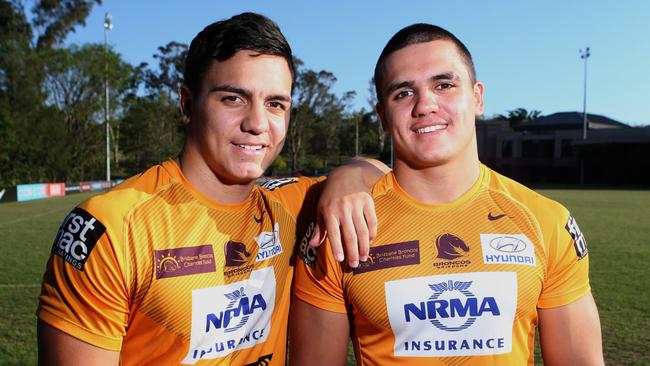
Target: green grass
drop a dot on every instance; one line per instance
(617, 227)
(27, 230)
(616, 224)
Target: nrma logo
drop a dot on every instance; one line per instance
(452, 307)
(237, 312)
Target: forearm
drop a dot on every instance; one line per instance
(358, 169)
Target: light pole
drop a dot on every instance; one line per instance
(584, 54)
(108, 25)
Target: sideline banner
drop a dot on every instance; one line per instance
(55, 189)
(27, 192)
(8, 194)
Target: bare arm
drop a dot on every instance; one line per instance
(346, 211)
(570, 334)
(58, 348)
(317, 337)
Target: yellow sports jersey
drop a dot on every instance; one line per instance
(454, 284)
(164, 275)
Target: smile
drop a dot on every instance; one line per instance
(251, 147)
(430, 129)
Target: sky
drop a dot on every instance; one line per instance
(526, 52)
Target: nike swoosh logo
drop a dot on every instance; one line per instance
(259, 221)
(493, 218)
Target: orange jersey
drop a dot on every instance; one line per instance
(164, 275)
(454, 284)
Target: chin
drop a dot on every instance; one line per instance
(249, 174)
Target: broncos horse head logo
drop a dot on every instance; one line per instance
(235, 253)
(450, 247)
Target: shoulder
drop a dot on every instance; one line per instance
(112, 206)
(384, 185)
(292, 192)
(542, 208)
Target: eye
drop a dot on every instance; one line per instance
(232, 99)
(444, 86)
(403, 94)
(274, 104)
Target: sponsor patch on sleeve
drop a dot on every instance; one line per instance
(77, 237)
(579, 241)
(307, 253)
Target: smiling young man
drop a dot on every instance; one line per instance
(466, 263)
(190, 262)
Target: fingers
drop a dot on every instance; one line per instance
(320, 233)
(350, 237)
(334, 236)
(350, 226)
(370, 217)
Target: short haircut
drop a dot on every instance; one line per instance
(414, 34)
(221, 40)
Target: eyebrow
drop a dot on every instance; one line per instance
(408, 83)
(247, 93)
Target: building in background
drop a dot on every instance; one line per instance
(551, 150)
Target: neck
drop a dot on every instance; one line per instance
(439, 184)
(199, 174)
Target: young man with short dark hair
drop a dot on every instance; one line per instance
(190, 261)
(466, 263)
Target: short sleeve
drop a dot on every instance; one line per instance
(567, 278)
(84, 292)
(319, 279)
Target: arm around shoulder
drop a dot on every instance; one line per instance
(58, 348)
(317, 336)
(570, 334)
(346, 210)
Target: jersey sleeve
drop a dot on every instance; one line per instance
(319, 279)
(84, 292)
(567, 277)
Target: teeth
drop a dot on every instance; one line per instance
(431, 128)
(251, 147)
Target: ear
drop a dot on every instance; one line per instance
(186, 104)
(382, 116)
(478, 98)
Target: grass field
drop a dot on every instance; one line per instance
(616, 224)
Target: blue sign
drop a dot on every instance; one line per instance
(27, 192)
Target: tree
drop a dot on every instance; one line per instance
(75, 84)
(150, 132)
(314, 105)
(169, 76)
(55, 19)
(21, 95)
(35, 143)
(519, 116)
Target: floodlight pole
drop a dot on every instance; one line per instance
(108, 25)
(584, 54)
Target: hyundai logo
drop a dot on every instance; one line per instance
(508, 244)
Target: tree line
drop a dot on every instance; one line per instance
(52, 100)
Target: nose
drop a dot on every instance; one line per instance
(425, 103)
(256, 120)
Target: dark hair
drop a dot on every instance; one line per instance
(414, 34)
(221, 40)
